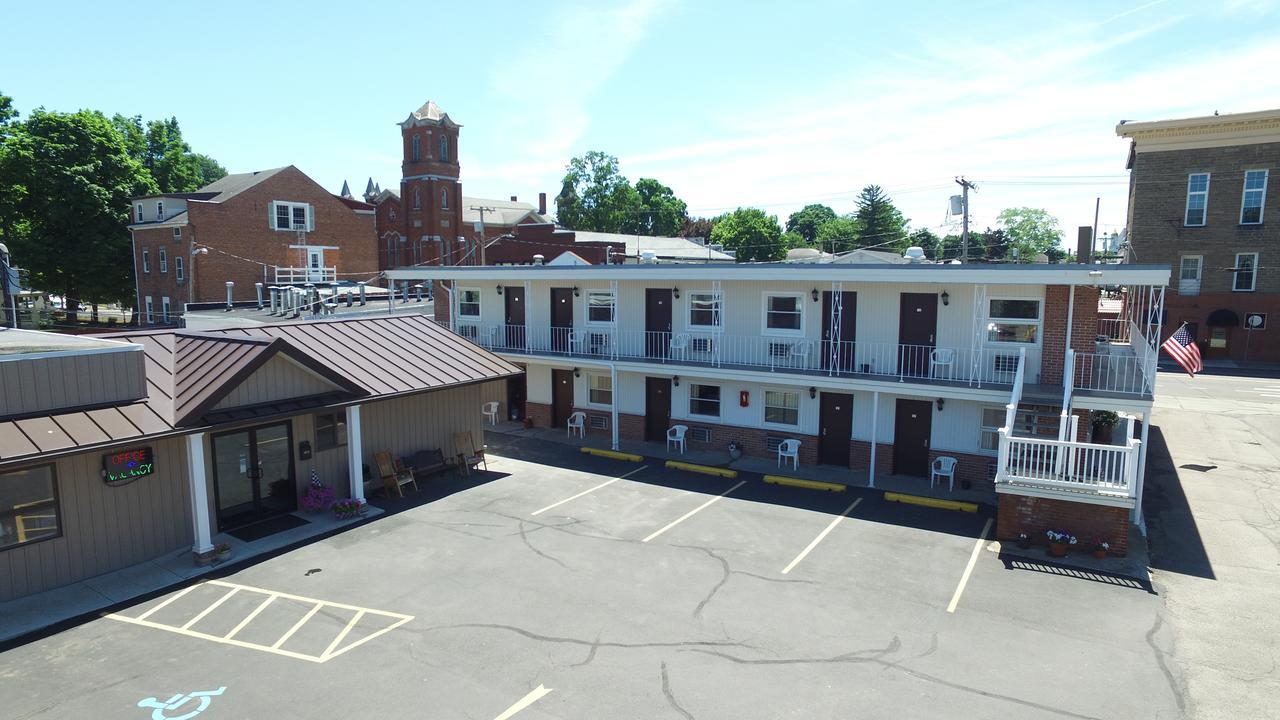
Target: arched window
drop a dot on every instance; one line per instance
(444, 148)
(417, 148)
(417, 198)
(444, 198)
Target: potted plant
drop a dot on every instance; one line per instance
(222, 551)
(318, 498)
(527, 422)
(1059, 542)
(1104, 422)
(1100, 548)
(347, 508)
(1024, 540)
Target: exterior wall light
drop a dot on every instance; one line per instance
(813, 392)
(675, 292)
(499, 289)
(946, 298)
(940, 401)
(577, 372)
(675, 380)
(575, 291)
(814, 294)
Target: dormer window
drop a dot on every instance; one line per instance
(159, 210)
(137, 212)
(444, 148)
(417, 148)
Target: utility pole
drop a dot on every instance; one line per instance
(1093, 245)
(482, 210)
(965, 186)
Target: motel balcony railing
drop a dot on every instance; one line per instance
(1119, 371)
(1068, 466)
(771, 353)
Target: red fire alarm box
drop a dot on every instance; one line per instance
(744, 398)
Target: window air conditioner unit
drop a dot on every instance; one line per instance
(779, 349)
(701, 345)
(598, 342)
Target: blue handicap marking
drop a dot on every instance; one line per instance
(158, 708)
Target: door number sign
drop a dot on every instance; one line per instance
(159, 709)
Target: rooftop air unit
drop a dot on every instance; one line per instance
(914, 254)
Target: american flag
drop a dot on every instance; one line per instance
(1182, 348)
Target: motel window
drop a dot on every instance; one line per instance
(1246, 272)
(331, 430)
(28, 506)
(1035, 421)
(1197, 199)
(782, 313)
(177, 233)
(469, 302)
(146, 260)
(417, 148)
(159, 211)
(704, 310)
(1255, 190)
(178, 273)
(704, 400)
(782, 407)
(600, 306)
(150, 310)
(164, 309)
(601, 389)
(137, 212)
(992, 421)
(444, 148)
(164, 260)
(1013, 320)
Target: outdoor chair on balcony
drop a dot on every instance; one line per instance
(680, 346)
(944, 467)
(675, 434)
(799, 355)
(490, 411)
(943, 358)
(577, 423)
(789, 449)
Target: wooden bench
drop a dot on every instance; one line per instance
(425, 463)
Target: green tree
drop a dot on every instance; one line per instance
(658, 211)
(792, 240)
(881, 222)
(838, 235)
(594, 195)
(69, 179)
(927, 239)
(808, 219)
(755, 236)
(698, 227)
(1030, 230)
(159, 146)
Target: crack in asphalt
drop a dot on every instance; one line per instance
(597, 643)
(671, 698)
(724, 578)
(525, 538)
(1164, 665)
(591, 654)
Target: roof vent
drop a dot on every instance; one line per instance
(648, 257)
(915, 254)
(538, 259)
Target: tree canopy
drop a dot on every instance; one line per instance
(594, 195)
(881, 223)
(808, 219)
(159, 146)
(839, 234)
(753, 235)
(1030, 230)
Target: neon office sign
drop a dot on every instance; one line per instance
(127, 465)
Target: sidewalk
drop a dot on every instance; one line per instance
(1133, 568)
(36, 612)
(1228, 367)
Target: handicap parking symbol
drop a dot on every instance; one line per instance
(202, 698)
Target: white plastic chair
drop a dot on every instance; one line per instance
(799, 354)
(680, 345)
(945, 357)
(576, 341)
(944, 467)
(490, 411)
(789, 449)
(577, 421)
(675, 434)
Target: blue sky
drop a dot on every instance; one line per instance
(772, 105)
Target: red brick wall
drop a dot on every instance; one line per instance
(240, 238)
(1034, 515)
(155, 283)
(973, 468)
(440, 291)
(1263, 345)
(1084, 323)
(860, 456)
(539, 413)
(546, 240)
(429, 218)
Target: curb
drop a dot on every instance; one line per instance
(931, 502)
(704, 469)
(801, 483)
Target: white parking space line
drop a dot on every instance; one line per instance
(524, 702)
(968, 570)
(298, 625)
(821, 535)
(342, 635)
(590, 490)
(694, 511)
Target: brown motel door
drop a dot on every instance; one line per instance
(912, 427)
(836, 420)
(561, 397)
(837, 347)
(657, 322)
(515, 316)
(561, 318)
(917, 330)
(657, 408)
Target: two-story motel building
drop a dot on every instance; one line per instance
(876, 369)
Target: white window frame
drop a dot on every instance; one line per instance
(137, 212)
(764, 315)
(177, 232)
(309, 222)
(1182, 267)
(179, 272)
(764, 407)
(417, 198)
(1262, 195)
(146, 261)
(164, 260)
(1038, 322)
(717, 311)
(479, 303)
(613, 307)
(164, 309)
(1201, 194)
(1253, 280)
(592, 379)
(150, 305)
(993, 431)
(159, 210)
(719, 402)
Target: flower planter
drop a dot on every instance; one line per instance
(1058, 549)
(1100, 554)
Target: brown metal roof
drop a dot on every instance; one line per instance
(188, 373)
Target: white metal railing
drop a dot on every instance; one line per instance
(714, 349)
(296, 275)
(1075, 466)
(1114, 329)
(1123, 370)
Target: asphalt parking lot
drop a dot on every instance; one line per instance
(554, 587)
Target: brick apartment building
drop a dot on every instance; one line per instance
(1199, 201)
(276, 227)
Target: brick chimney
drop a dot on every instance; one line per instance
(542, 203)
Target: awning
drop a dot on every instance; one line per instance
(1223, 318)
